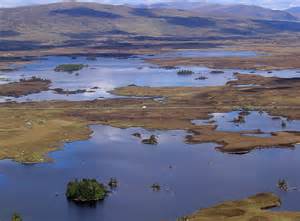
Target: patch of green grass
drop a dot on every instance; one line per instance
(69, 67)
(185, 72)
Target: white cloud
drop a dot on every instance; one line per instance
(276, 4)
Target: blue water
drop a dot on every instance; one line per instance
(202, 53)
(109, 73)
(198, 177)
(254, 121)
(191, 176)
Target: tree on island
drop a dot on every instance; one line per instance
(16, 217)
(86, 190)
(185, 72)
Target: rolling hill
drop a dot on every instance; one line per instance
(295, 11)
(233, 11)
(111, 26)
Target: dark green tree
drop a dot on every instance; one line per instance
(16, 217)
(86, 190)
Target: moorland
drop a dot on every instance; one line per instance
(30, 130)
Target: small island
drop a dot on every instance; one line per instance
(16, 217)
(138, 135)
(69, 67)
(217, 72)
(86, 191)
(152, 140)
(24, 87)
(185, 72)
(68, 92)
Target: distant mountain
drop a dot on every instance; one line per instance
(183, 5)
(234, 11)
(115, 26)
(294, 11)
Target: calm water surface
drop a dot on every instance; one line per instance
(199, 177)
(109, 73)
(191, 176)
(254, 121)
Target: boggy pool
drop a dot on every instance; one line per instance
(191, 177)
(105, 74)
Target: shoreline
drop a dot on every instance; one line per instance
(48, 124)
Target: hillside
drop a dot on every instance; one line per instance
(110, 26)
(295, 11)
(233, 11)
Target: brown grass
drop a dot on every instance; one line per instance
(250, 209)
(29, 131)
(24, 87)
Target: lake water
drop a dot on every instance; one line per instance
(253, 121)
(203, 53)
(109, 73)
(191, 176)
(199, 176)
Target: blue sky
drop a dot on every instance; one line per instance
(275, 4)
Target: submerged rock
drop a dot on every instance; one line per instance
(169, 67)
(283, 185)
(239, 120)
(155, 187)
(113, 183)
(244, 113)
(276, 118)
(217, 72)
(283, 124)
(152, 140)
(201, 78)
(138, 135)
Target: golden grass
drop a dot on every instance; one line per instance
(250, 209)
(28, 131)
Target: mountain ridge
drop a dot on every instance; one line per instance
(103, 25)
(295, 11)
(228, 10)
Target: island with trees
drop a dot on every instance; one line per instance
(86, 191)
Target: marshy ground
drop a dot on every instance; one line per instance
(102, 87)
(30, 130)
(250, 209)
(49, 124)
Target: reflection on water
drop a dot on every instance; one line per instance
(191, 176)
(253, 121)
(107, 74)
(207, 54)
(104, 74)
